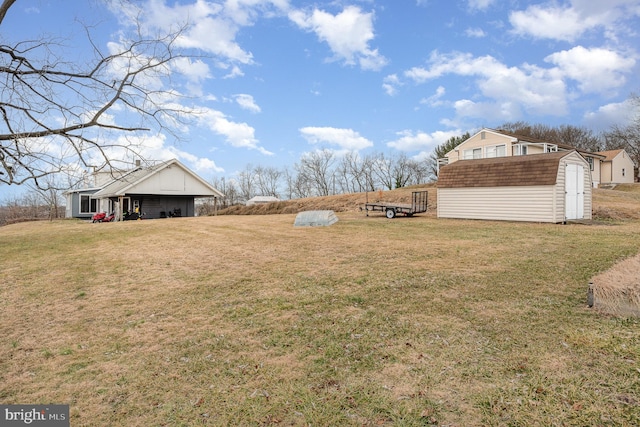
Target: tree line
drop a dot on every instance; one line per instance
(324, 173)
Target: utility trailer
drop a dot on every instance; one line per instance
(418, 205)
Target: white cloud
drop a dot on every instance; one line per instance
(569, 22)
(194, 70)
(348, 34)
(390, 84)
(209, 26)
(344, 139)
(618, 113)
(195, 163)
(434, 100)
(420, 141)
(476, 33)
(536, 90)
(239, 135)
(550, 22)
(480, 4)
(247, 102)
(595, 70)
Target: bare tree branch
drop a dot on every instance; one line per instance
(56, 115)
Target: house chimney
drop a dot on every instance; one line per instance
(138, 163)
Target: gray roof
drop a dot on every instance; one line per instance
(123, 185)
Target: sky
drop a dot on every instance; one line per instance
(279, 78)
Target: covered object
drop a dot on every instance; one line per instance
(315, 219)
(550, 187)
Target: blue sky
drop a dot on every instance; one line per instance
(285, 77)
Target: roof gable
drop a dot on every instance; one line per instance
(533, 169)
(609, 155)
(160, 179)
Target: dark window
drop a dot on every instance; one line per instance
(88, 204)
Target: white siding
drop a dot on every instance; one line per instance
(527, 203)
(172, 180)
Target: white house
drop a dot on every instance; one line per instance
(159, 191)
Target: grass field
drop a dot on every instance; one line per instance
(246, 320)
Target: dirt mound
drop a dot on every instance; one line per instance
(617, 290)
(622, 203)
(339, 203)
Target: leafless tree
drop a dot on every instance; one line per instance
(627, 136)
(295, 186)
(575, 136)
(419, 171)
(315, 169)
(382, 171)
(247, 183)
(268, 180)
(58, 115)
(354, 173)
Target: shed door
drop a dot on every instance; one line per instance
(574, 191)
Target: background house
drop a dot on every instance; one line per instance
(616, 168)
(490, 143)
(160, 191)
(549, 187)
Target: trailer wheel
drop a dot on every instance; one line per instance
(391, 213)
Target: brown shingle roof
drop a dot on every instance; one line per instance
(533, 169)
(610, 154)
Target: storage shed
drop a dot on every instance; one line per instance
(550, 187)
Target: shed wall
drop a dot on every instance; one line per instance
(527, 203)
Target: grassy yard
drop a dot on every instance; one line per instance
(246, 320)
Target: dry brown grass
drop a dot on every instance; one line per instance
(619, 204)
(247, 320)
(617, 290)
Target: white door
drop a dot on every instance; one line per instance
(574, 191)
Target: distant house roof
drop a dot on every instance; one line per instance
(261, 199)
(533, 169)
(527, 139)
(127, 183)
(609, 155)
(82, 190)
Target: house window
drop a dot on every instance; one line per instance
(474, 153)
(496, 151)
(88, 204)
(519, 150)
(590, 161)
(483, 135)
(623, 172)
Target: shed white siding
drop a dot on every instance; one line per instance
(530, 203)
